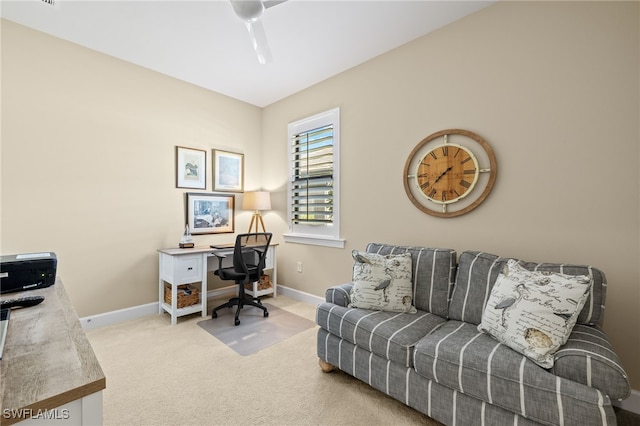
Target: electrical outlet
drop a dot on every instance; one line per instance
(299, 267)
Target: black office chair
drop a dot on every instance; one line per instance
(249, 254)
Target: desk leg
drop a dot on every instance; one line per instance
(174, 304)
(160, 285)
(160, 296)
(275, 273)
(203, 289)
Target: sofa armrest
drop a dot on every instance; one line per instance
(339, 294)
(588, 358)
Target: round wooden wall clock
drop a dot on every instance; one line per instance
(450, 172)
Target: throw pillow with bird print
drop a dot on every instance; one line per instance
(534, 312)
(382, 283)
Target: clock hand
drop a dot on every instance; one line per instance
(443, 173)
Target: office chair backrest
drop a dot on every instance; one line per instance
(250, 252)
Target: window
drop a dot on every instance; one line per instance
(314, 183)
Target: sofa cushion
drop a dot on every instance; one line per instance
(390, 335)
(460, 357)
(588, 358)
(477, 273)
(439, 402)
(534, 312)
(433, 274)
(382, 282)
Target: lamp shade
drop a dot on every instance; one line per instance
(256, 200)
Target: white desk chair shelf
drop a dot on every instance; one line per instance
(186, 266)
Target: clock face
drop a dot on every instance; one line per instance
(449, 173)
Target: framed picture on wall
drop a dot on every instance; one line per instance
(210, 213)
(228, 171)
(191, 168)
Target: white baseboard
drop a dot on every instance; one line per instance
(121, 315)
(134, 312)
(630, 404)
(221, 291)
(300, 296)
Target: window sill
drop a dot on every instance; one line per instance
(315, 240)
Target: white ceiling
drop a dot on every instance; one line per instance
(204, 43)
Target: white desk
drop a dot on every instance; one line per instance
(184, 266)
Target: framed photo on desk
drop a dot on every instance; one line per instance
(210, 213)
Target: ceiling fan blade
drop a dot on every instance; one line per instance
(259, 41)
(250, 11)
(270, 3)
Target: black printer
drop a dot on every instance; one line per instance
(28, 271)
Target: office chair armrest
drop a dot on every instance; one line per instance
(220, 257)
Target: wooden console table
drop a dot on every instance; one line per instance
(49, 370)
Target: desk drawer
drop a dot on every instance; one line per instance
(181, 269)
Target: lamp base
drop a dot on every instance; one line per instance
(257, 220)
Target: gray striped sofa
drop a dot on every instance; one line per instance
(437, 361)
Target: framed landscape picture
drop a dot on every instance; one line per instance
(210, 213)
(228, 171)
(191, 168)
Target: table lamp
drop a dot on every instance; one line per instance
(256, 201)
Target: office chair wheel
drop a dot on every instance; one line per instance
(237, 322)
(266, 314)
(214, 315)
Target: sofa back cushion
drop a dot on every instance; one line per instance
(477, 272)
(433, 271)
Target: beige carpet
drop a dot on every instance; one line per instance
(158, 374)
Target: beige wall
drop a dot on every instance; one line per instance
(554, 88)
(88, 161)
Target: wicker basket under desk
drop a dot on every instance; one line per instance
(187, 295)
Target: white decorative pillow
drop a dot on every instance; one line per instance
(534, 312)
(382, 283)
